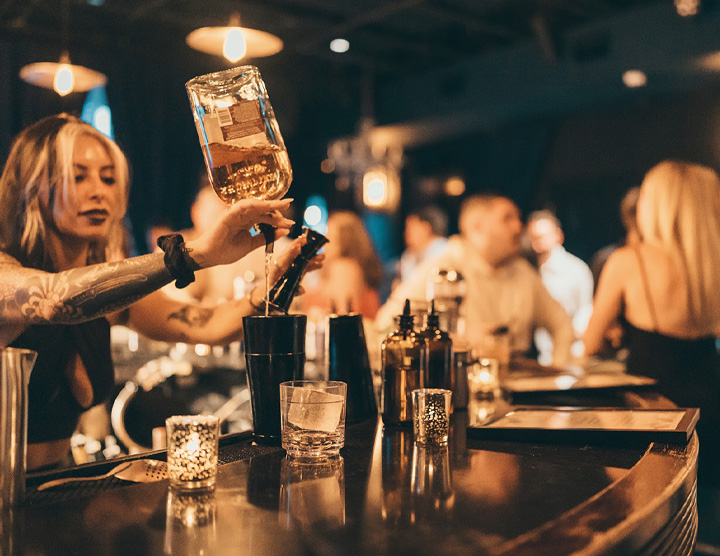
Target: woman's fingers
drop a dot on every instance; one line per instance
(275, 219)
(252, 211)
(258, 240)
(281, 232)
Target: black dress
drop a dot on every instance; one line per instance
(53, 411)
(687, 372)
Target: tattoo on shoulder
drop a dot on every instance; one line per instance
(193, 316)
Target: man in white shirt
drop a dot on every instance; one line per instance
(424, 234)
(503, 289)
(567, 278)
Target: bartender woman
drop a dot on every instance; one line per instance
(64, 277)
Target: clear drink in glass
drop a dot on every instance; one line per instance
(312, 417)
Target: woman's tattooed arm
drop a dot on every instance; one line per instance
(32, 296)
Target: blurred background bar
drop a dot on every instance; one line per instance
(389, 105)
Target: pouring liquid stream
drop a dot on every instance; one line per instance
(268, 262)
(269, 234)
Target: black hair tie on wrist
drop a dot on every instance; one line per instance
(177, 260)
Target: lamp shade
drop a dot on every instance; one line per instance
(211, 40)
(43, 74)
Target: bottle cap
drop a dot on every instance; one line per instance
(432, 319)
(407, 320)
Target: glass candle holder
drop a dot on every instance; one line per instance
(431, 415)
(192, 451)
(484, 377)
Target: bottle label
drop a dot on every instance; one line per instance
(239, 124)
(240, 120)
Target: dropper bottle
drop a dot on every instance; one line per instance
(401, 353)
(437, 354)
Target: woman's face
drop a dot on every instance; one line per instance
(88, 214)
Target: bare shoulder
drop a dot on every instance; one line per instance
(622, 259)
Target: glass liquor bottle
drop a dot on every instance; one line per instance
(400, 354)
(284, 290)
(437, 354)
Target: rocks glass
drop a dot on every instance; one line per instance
(312, 418)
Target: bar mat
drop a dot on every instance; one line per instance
(244, 450)
(72, 491)
(88, 489)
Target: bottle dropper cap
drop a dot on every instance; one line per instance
(433, 319)
(407, 321)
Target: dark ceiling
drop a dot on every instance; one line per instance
(462, 72)
(386, 36)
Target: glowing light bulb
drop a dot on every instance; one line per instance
(64, 81)
(102, 120)
(313, 215)
(339, 45)
(234, 46)
(634, 79)
(375, 192)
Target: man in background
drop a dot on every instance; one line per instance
(425, 238)
(566, 277)
(503, 289)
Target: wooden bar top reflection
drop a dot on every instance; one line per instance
(386, 495)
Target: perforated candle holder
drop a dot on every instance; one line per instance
(192, 451)
(431, 415)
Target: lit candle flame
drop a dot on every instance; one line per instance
(193, 444)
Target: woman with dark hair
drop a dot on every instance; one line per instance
(352, 272)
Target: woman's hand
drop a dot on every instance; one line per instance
(230, 239)
(285, 259)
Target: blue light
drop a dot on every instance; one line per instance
(96, 112)
(316, 214)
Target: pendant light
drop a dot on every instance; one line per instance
(63, 76)
(234, 42)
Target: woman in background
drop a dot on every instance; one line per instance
(664, 288)
(352, 272)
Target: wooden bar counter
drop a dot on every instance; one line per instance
(385, 495)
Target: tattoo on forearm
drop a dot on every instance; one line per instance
(193, 316)
(88, 292)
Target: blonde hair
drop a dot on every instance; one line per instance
(353, 242)
(682, 216)
(40, 166)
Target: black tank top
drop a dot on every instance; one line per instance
(53, 411)
(678, 364)
(687, 371)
